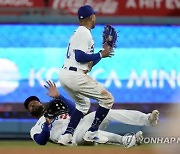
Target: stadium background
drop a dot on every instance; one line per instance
(143, 75)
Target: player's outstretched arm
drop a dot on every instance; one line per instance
(69, 103)
(43, 137)
(83, 57)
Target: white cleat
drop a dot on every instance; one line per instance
(65, 139)
(154, 118)
(139, 137)
(95, 137)
(129, 140)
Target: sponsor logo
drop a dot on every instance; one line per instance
(27, 3)
(72, 6)
(9, 76)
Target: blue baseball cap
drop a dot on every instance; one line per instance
(29, 99)
(85, 11)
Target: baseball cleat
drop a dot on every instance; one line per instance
(139, 137)
(129, 140)
(65, 139)
(154, 118)
(95, 137)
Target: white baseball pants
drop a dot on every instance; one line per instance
(81, 87)
(131, 117)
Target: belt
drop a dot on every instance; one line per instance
(75, 69)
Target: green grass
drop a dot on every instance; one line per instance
(30, 147)
(14, 143)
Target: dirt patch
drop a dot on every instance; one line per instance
(74, 150)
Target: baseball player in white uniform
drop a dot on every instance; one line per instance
(80, 59)
(51, 129)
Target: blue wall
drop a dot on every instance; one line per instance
(145, 68)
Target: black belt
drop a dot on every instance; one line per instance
(70, 68)
(73, 69)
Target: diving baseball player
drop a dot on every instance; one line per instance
(51, 129)
(80, 59)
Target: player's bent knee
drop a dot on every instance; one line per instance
(108, 102)
(83, 109)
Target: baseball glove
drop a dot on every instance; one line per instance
(54, 108)
(109, 36)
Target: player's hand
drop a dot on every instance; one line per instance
(52, 89)
(107, 47)
(107, 52)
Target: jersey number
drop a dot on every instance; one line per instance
(68, 53)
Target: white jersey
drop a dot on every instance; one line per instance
(58, 126)
(80, 40)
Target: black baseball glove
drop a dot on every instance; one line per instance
(54, 108)
(110, 36)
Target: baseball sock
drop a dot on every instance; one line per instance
(74, 121)
(101, 113)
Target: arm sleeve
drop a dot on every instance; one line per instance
(43, 137)
(95, 62)
(69, 103)
(83, 57)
